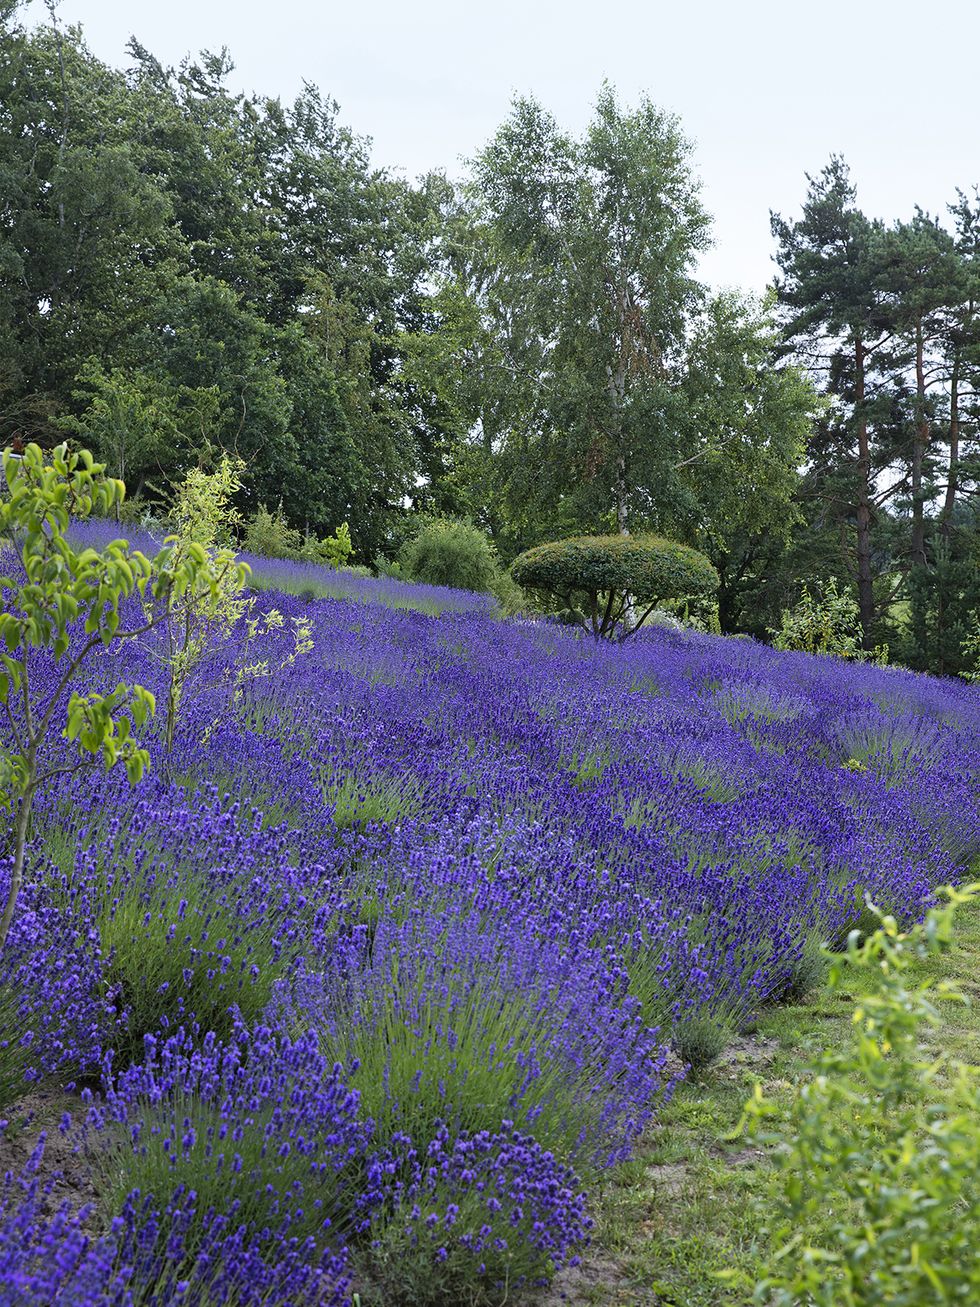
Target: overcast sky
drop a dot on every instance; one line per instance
(766, 90)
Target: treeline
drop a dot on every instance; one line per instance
(888, 319)
(185, 270)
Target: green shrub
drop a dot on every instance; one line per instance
(700, 1040)
(269, 535)
(451, 553)
(617, 580)
(877, 1198)
(824, 621)
(333, 551)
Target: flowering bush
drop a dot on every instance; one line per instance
(478, 1217)
(50, 1259)
(261, 1129)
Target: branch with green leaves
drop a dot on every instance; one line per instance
(66, 607)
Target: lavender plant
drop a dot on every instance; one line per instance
(476, 1218)
(151, 1253)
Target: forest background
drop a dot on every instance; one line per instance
(186, 270)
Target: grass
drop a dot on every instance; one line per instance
(683, 1208)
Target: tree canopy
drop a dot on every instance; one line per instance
(187, 271)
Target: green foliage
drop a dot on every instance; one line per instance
(451, 553)
(334, 551)
(876, 1195)
(207, 612)
(824, 621)
(130, 419)
(201, 511)
(971, 649)
(269, 535)
(196, 616)
(935, 630)
(62, 587)
(607, 574)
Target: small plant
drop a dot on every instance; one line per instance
(334, 551)
(617, 581)
(269, 535)
(202, 616)
(700, 1040)
(876, 1194)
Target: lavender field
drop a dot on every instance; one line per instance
(368, 982)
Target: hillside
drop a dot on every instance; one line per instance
(510, 881)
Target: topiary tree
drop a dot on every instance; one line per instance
(609, 577)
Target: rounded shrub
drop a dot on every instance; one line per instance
(451, 553)
(608, 576)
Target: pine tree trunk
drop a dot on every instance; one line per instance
(919, 443)
(952, 477)
(866, 603)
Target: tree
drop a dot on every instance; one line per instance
(922, 280)
(134, 421)
(747, 418)
(85, 238)
(66, 607)
(586, 378)
(610, 575)
(962, 352)
(830, 261)
(593, 244)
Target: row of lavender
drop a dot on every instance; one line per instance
(397, 949)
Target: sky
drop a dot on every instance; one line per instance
(766, 91)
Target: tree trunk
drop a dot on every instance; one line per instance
(919, 443)
(17, 870)
(952, 478)
(866, 603)
(616, 389)
(619, 492)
